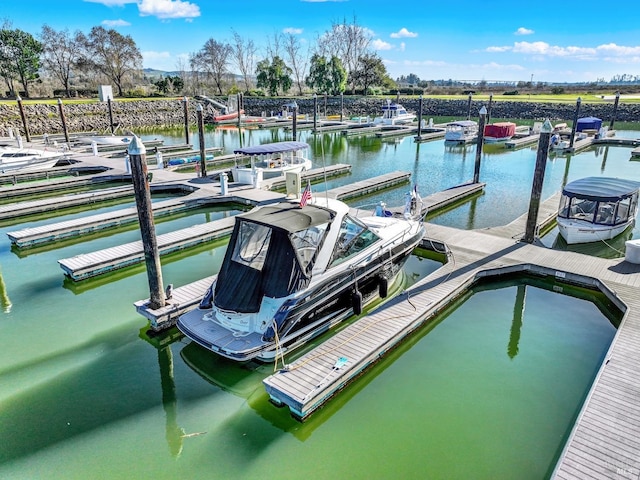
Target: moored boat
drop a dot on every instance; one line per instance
(394, 114)
(597, 208)
(24, 159)
(272, 160)
(106, 139)
(291, 272)
(499, 132)
(461, 131)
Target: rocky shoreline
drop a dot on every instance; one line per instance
(132, 115)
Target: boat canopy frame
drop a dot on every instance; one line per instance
(272, 148)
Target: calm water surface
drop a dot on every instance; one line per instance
(490, 391)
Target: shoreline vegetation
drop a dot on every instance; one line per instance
(85, 115)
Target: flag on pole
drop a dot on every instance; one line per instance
(306, 195)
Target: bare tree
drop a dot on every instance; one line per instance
(348, 42)
(114, 55)
(213, 60)
(61, 53)
(244, 54)
(296, 59)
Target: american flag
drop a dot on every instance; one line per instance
(306, 195)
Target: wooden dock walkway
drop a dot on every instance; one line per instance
(369, 185)
(87, 265)
(522, 141)
(13, 210)
(428, 135)
(32, 236)
(396, 131)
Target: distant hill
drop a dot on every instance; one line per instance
(153, 73)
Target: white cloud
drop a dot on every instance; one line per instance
(150, 56)
(498, 49)
(115, 23)
(403, 33)
(524, 31)
(402, 46)
(165, 9)
(378, 44)
(292, 31)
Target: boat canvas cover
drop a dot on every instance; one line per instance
(588, 123)
(602, 189)
(271, 148)
(500, 130)
(261, 260)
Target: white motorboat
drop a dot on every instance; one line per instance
(394, 114)
(461, 131)
(123, 140)
(24, 159)
(597, 208)
(271, 160)
(290, 273)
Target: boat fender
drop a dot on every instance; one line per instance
(356, 302)
(383, 286)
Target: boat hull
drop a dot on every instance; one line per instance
(576, 231)
(324, 305)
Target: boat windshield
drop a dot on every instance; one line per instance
(307, 243)
(354, 237)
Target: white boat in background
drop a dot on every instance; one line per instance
(106, 139)
(597, 208)
(394, 114)
(292, 272)
(271, 160)
(461, 131)
(25, 159)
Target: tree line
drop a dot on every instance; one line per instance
(341, 60)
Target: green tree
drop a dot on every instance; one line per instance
(19, 57)
(274, 76)
(61, 53)
(213, 59)
(114, 55)
(329, 77)
(369, 72)
(169, 84)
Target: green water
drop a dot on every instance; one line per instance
(490, 391)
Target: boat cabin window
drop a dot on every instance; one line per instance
(606, 213)
(307, 243)
(352, 239)
(252, 245)
(578, 208)
(625, 208)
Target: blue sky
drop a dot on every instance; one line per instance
(570, 41)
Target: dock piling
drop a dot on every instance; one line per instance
(538, 179)
(110, 109)
(575, 123)
(479, 142)
(64, 121)
(615, 110)
(24, 119)
(203, 153)
(185, 109)
(137, 153)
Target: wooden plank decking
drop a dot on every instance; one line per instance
(14, 210)
(83, 266)
(29, 237)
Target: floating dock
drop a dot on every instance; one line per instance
(522, 141)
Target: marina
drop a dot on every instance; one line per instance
(487, 249)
